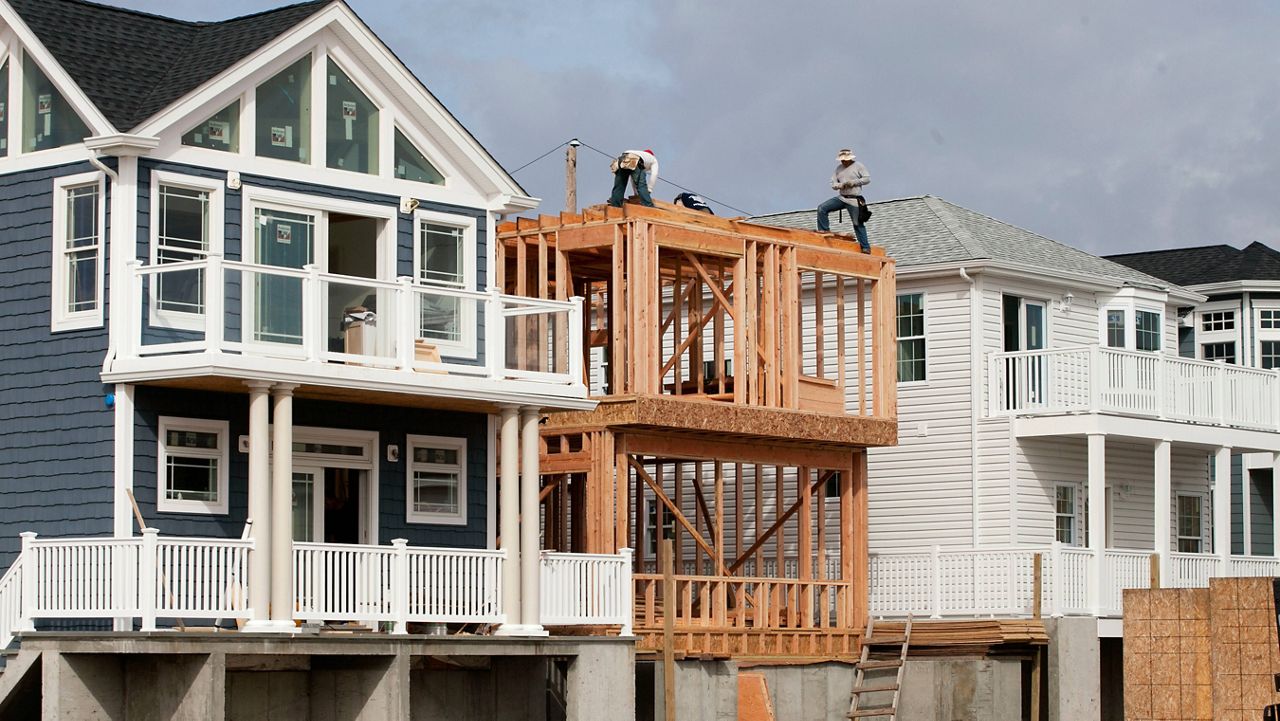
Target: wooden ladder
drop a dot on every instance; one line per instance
(866, 663)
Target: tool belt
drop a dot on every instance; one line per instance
(626, 161)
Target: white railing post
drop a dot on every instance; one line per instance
(131, 338)
(147, 581)
(936, 561)
(574, 364)
(312, 308)
(1055, 603)
(405, 331)
(627, 593)
(214, 292)
(1095, 378)
(26, 616)
(400, 586)
(1162, 381)
(495, 335)
(1220, 390)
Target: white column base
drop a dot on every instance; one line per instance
(521, 629)
(269, 626)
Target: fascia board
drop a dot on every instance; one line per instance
(1236, 286)
(85, 107)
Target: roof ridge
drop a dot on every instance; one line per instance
(1171, 250)
(131, 11)
(971, 245)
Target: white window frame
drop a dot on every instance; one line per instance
(458, 444)
(222, 455)
(465, 347)
(1260, 334)
(924, 336)
(1205, 536)
(216, 236)
(61, 319)
(1079, 512)
(1104, 336)
(1133, 328)
(1235, 335)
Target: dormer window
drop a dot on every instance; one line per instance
(283, 114)
(221, 132)
(352, 119)
(47, 118)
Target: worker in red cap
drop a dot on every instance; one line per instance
(641, 168)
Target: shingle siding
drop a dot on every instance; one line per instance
(56, 452)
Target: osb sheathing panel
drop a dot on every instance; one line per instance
(1200, 653)
(672, 413)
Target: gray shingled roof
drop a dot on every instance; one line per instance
(1206, 263)
(926, 230)
(133, 64)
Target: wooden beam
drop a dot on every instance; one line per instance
(716, 290)
(617, 319)
(661, 495)
(760, 540)
(755, 451)
(862, 348)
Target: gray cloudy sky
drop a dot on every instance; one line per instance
(1109, 126)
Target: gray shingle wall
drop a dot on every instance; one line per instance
(56, 446)
(391, 423)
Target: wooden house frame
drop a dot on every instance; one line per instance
(720, 352)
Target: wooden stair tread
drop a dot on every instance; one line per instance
(870, 665)
(874, 688)
(877, 711)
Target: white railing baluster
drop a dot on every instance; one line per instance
(400, 586)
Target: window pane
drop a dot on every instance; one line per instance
(204, 440)
(283, 110)
(182, 235)
(4, 109)
(1270, 354)
(221, 132)
(439, 317)
(1219, 351)
(435, 492)
(82, 245)
(1035, 326)
(1270, 319)
(1148, 330)
(440, 254)
(911, 365)
(1115, 328)
(412, 164)
(47, 118)
(192, 479)
(911, 343)
(82, 268)
(353, 125)
(438, 456)
(1218, 320)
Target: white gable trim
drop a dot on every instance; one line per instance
(88, 112)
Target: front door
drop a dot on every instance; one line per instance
(326, 504)
(284, 239)
(1024, 323)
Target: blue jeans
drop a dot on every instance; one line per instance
(639, 178)
(832, 205)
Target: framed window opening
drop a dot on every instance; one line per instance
(1191, 527)
(187, 223)
(1068, 514)
(912, 350)
(48, 120)
(79, 220)
(1225, 351)
(1148, 327)
(444, 255)
(192, 469)
(436, 480)
(1218, 320)
(1116, 329)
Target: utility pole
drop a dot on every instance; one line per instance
(571, 176)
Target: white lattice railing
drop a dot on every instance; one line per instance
(10, 603)
(587, 589)
(1152, 385)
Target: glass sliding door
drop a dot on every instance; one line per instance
(307, 518)
(283, 239)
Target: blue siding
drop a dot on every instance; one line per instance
(234, 243)
(56, 449)
(1260, 512)
(391, 423)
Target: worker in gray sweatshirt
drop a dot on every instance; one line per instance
(848, 180)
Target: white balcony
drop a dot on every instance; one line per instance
(151, 578)
(214, 318)
(977, 582)
(1090, 379)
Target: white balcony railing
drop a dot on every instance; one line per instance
(586, 589)
(1151, 385)
(246, 310)
(970, 582)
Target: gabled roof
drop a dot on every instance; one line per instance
(132, 64)
(927, 230)
(1206, 263)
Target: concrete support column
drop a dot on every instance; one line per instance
(282, 508)
(530, 540)
(1097, 516)
(259, 504)
(1163, 504)
(1222, 507)
(509, 509)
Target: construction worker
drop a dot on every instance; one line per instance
(641, 167)
(693, 201)
(848, 180)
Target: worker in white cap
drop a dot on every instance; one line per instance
(848, 179)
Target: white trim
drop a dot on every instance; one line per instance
(491, 464)
(60, 319)
(367, 461)
(457, 444)
(465, 347)
(1206, 536)
(215, 233)
(222, 455)
(924, 336)
(122, 446)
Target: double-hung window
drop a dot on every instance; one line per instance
(1269, 338)
(911, 340)
(1115, 328)
(437, 480)
(186, 226)
(78, 219)
(1147, 330)
(1218, 334)
(193, 456)
(444, 252)
(1066, 514)
(1191, 525)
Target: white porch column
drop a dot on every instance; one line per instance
(259, 504)
(1275, 509)
(509, 509)
(1097, 516)
(1222, 507)
(530, 539)
(1163, 502)
(282, 508)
